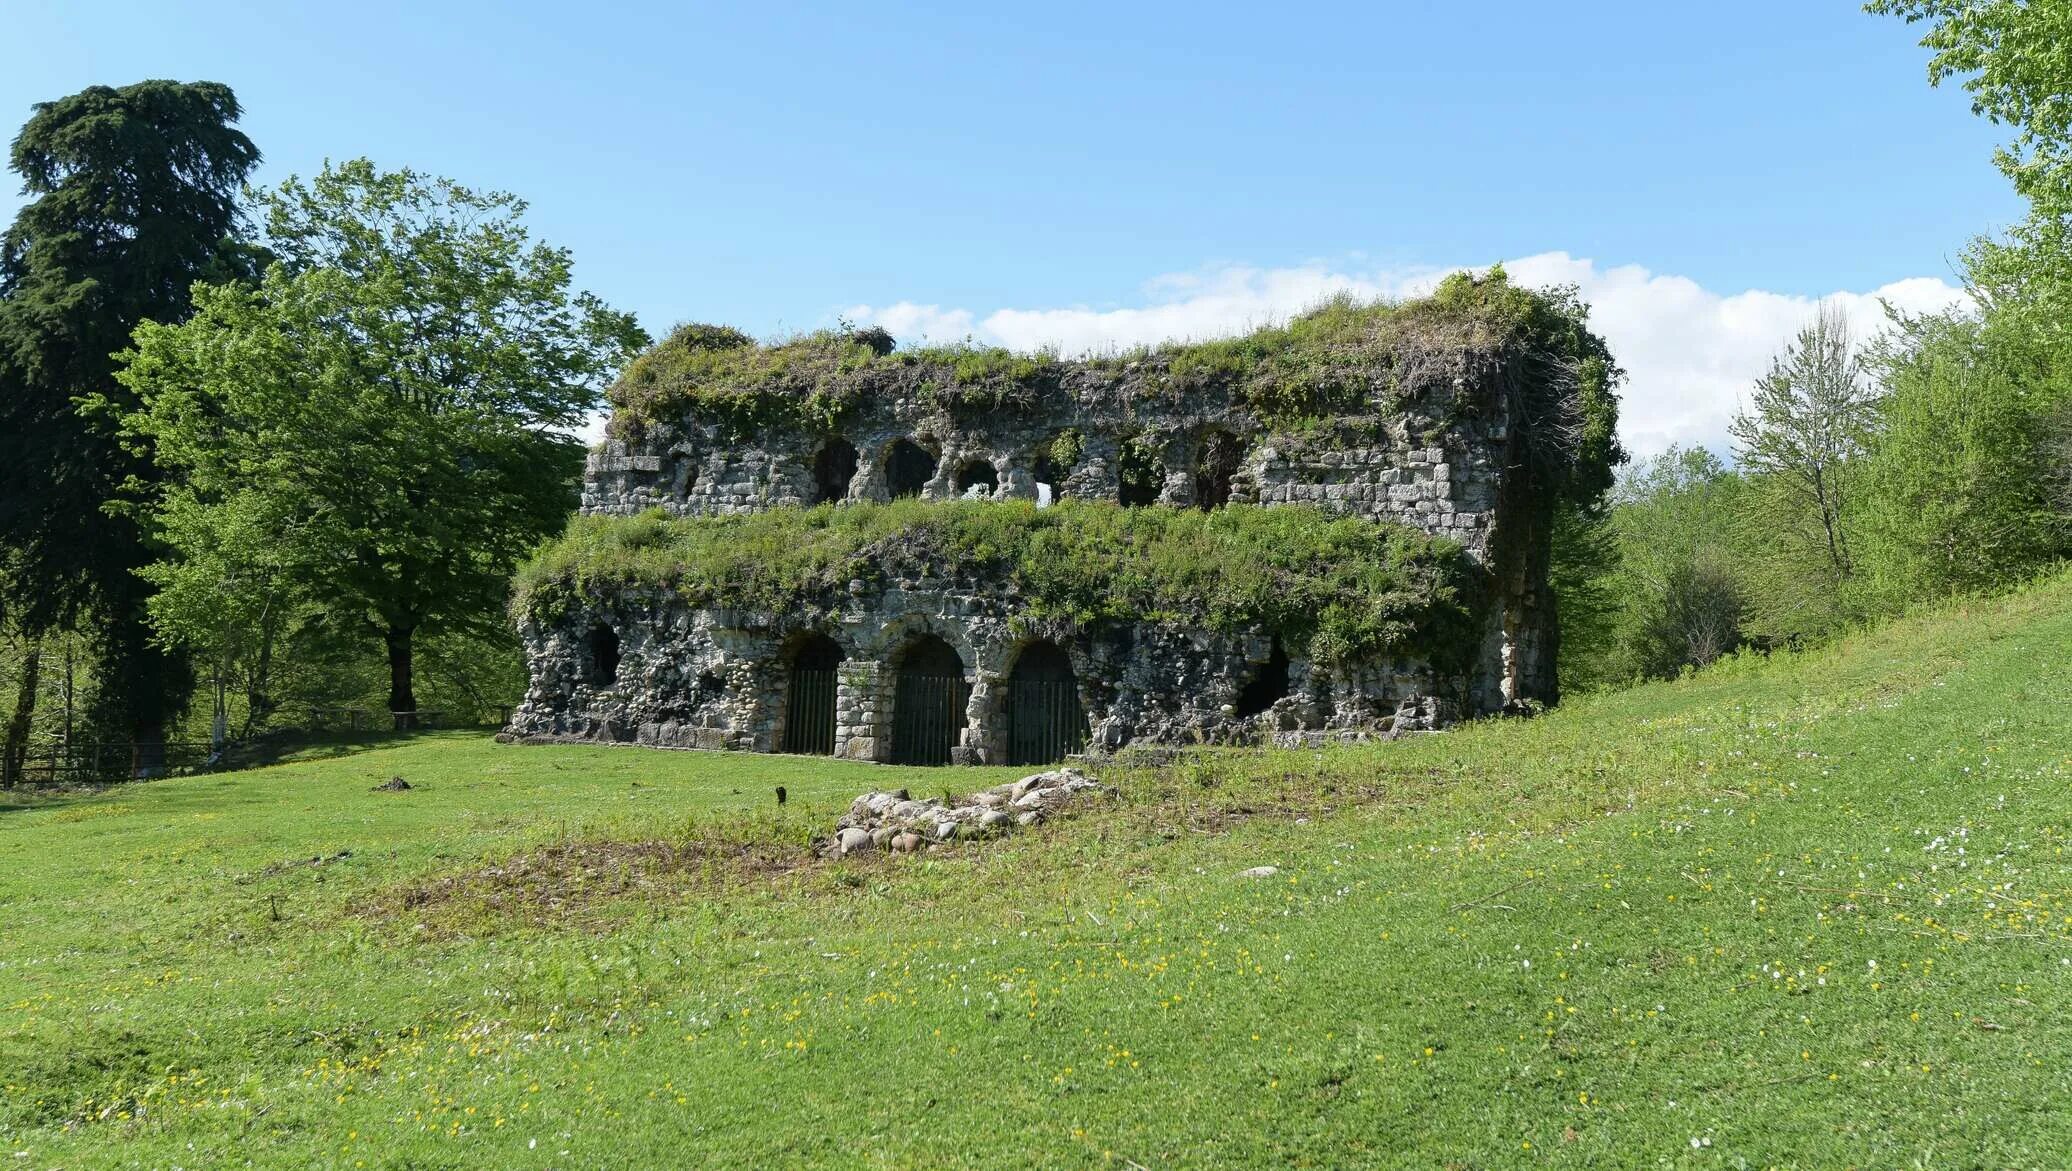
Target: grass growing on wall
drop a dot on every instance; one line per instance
(1338, 588)
(1343, 357)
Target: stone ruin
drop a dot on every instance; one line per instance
(937, 667)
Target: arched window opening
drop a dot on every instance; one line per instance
(1141, 475)
(927, 703)
(1055, 460)
(1045, 472)
(686, 477)
(908, 468)
(604, 656)
(1215, 465)
(809, 697)
(833, 467)
(977, 479)
(1269, 685)
(1045, 721)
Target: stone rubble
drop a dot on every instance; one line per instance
(897, 822)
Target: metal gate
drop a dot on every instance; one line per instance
(927, 714)
(809, 711)
(1045, 722)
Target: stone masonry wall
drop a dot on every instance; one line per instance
(689, 677)
(1440, 454)
(1436, 464)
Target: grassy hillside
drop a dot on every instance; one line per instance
(1809, 912)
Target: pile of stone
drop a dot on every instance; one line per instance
(895, 821)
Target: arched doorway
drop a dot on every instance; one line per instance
(977, 474)
(809, 697)
(1055, 459)
(1139, 470)
(604, 657)
(1266, 688)
(1215, 465)
(927, 703)
(908, 468)
(833, 467)
(1045, 722)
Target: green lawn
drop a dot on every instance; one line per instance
(1812, 912)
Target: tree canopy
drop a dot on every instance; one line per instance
(381, 424)
(133, 199)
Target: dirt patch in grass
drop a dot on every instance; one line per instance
(598, 882)
(576, 882)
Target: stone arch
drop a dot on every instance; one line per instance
(929, 696)
(686, 477)
(1267, 686)
(811, 669)
(977, 473)
(1042, 717)
(908, 468)
(834, 466)
(1216, 462)
(1140, 471)
(602, 665)
(1055, 459)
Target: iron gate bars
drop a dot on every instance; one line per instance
(1045, 722)
(809, 712)
(927, 713)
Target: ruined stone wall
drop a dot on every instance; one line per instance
(1437, 464)
(1438, 451)
(691, 677)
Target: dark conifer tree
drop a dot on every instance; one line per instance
(132, 199)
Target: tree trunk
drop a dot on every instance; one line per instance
(16, 753)
(402, 699)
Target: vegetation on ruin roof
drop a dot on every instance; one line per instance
(1338, 589)
(1344, 357)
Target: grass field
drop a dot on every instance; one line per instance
(1810, 912)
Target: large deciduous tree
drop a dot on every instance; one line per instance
(1809, 417)
(1957, 484)
(1977, 453)
(381, 426)
(133, 199)
(2015, 60)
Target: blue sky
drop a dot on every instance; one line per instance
(932, 167)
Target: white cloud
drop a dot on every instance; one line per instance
(1691, 353)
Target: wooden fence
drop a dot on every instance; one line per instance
(86, 763)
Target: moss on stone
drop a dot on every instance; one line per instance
(1345, 358)
(1338, 589)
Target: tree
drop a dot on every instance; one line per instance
(1967, 469)
(386, 415)
(2015, 57)
(133, 199)
(1583, 571)
(227, 597)
(14, 751)
(1679, 578)
(1807, 421)
(2057, 465)
(2015, 60)
(14, 745)
(1952, 496)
